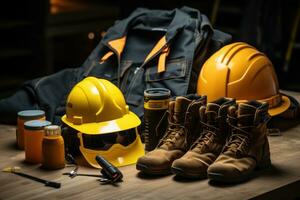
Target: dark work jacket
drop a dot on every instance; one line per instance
(150, 48)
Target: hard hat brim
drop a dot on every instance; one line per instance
(285, 104)
(126, 122)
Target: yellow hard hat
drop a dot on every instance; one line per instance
(98, 106)
(97, 110)
(240, 71)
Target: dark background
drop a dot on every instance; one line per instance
(41, 37)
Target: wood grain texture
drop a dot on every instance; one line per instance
(285, 155)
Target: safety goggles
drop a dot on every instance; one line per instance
(120, 148)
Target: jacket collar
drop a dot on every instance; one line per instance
(169, 21)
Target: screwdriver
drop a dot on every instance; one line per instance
(16, 170)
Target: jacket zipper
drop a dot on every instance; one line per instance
(135, 71)
(158, 52)
(138, 68)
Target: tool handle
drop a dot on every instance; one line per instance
(109, 170)
(52, 184)
(46, 182)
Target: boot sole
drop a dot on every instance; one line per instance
(217, 177)
(224, 179)
(185, 174)
(147, 170)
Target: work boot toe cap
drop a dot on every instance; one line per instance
(156, 162)
(189, 167)
(152, 161)
(227, 169)
(190, 164)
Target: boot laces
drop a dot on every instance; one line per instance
(174, 129)
(204, 139)
(208, 134)
(239, 141)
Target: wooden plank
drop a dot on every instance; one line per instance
(282, 178)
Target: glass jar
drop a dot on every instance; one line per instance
(34, 133)
(53, 150)
(23, 116)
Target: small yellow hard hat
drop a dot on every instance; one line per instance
(97, 110)
(97, 106)
(242, 72)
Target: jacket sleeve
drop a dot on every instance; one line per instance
(48, 93)
(23, 99)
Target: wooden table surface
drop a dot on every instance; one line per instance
(281, 181)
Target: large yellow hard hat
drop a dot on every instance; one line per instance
(97, 110)
(242, 72)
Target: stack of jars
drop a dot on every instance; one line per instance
(42, 141)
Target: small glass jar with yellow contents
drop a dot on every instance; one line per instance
(53, 150)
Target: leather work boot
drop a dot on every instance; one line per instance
(182, 125)
(209, 145)
(247, 147)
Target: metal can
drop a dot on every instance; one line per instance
(156, 102)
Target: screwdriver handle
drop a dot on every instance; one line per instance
(46, 182)
(52, 184)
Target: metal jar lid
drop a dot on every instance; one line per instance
(157, 93)
(52, 130)
(31, 114)
(36, 124)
